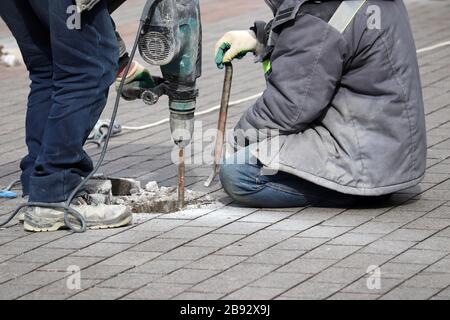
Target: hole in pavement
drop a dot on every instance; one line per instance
(151, 199)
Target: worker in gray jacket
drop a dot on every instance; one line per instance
(343, 103)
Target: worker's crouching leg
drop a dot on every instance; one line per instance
(246, 181)
(239, 177)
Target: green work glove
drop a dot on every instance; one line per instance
(235, 45)
(138, 80)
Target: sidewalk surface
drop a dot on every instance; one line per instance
(229, 251)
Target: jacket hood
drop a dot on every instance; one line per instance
(276, 5)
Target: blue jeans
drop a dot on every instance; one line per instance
(243, 180)
(71, 71)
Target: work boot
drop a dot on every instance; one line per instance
(99, 216)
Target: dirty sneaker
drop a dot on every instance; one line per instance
(21, 214)
(99, 216)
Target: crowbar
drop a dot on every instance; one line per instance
(220, 139)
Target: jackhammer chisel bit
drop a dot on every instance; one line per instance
(220, 139)
(181, 179)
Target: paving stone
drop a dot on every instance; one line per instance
(19, 247)
(128, 280)
(15, 290)
(444, 294)
(429, 280)
(355, 239)
(273, 256)
(377, 227)
(160, 245)
(160, 266)
(269, 236)
(442, 266)
(435, 243)
(42, 255)
(234, 278)
(423, 205)
(102, 272)
(313, 290)
(74, 242)
(216, 262)
(346, 220)
(365, 285)
(339, 275)
(317, 213)
(157, 291)
(242, 248)
(409, 235)
(353, 296)
(63, 264)
(324, 232)
(251, 293)
(429, 224)
(364, 260)
(331, 252)
(187, 232)
(102, 249)
(11, 270)
(405, 293)
(309, 266)
(280, 280)
(188, 253)
(212, 221)
(244, 228)
(159, 225)
(188, 276)
(216, 240)
(58, 290)
(388, 247)
(40, 278)
(131, 236)
(266, 217)
(400, 270)
(419, 256)
(200, 296)
(101, 294)
(399, 216)
(130, 258)
(441, 212)
(298, 243)
(293, 225)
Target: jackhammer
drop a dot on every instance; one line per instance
(170, 36)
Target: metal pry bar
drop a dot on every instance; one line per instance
(220, 139)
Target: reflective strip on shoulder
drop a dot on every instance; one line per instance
(345, 14)
(266, 66)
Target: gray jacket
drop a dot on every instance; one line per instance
(348, 106)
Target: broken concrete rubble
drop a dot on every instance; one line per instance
(151, 199)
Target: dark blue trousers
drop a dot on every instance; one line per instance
(71, 71)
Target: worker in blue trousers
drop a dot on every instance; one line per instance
(71, 63)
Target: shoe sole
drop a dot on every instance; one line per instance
(30, 226)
